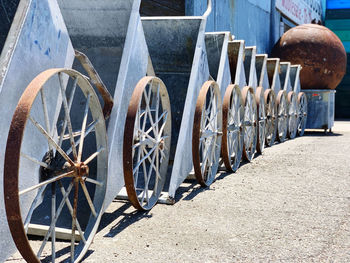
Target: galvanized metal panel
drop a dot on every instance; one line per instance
(249, 67)
(273, 68)
(295, 78)
(172, 46)
(320, 109)
(166, 56)
(236, 50)
(285, 76)
(261, 69)
(219, 66)
(133, 67)
(30, 48)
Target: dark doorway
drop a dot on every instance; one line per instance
(162, 7)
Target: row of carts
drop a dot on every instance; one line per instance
(97, 101)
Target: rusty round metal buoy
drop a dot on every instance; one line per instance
(318, 50)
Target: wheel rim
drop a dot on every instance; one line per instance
(147, 139)
(59, 165)
(259, 96)
(282, 116)
(302, 113)
(206, 135)
(271, 110)
(232, 121)
(292, 115)
(250, 123)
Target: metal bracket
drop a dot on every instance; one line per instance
(96, 80)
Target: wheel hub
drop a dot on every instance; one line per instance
(81, 169)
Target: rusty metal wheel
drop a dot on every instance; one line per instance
(260, 103)
(282, 116)
(250, 123)
(232, 128)
(292, 115)
(56, 167)
(302, 113)
(206, 134)
(147, 139)
(271, 111)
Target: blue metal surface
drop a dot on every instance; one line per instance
(248, 20)
(338, 4)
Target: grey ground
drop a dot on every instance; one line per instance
(292, 204)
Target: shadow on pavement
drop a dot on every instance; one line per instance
(321, 134)
(123, 218)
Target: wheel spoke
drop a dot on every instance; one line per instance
(145, 193)
(88, 198)
(56, 178)
(67, 115)
(94, 155)
(89, 180)
(69, 108)
(152, 163)
(148, 110)
(51, 140)
(42, 164)
(157, 106)
(54, 219)
(83, 128)
(88, 131)
(136, 172)
(74, 217)
(46, 114)
(157, 170)
(144, 158)
(153, 125)
(70, 208)
(38, 197)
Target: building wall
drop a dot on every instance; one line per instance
(255, 21)
(258, 22)
(338, 20)
(245, 19)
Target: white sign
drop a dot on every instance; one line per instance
(300, 11)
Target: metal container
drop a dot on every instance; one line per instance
(320, 109)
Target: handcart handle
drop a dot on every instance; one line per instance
(209, 8)
(96, 80)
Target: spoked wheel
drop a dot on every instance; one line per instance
(271, 111)
(260, 103)
(147, 139)
(302, 113)
(282, 116)
(250, 123)
(292, 115)
(232, 129)
(56, 166)
(206, 134)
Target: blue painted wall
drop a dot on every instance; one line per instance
(251, 20)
